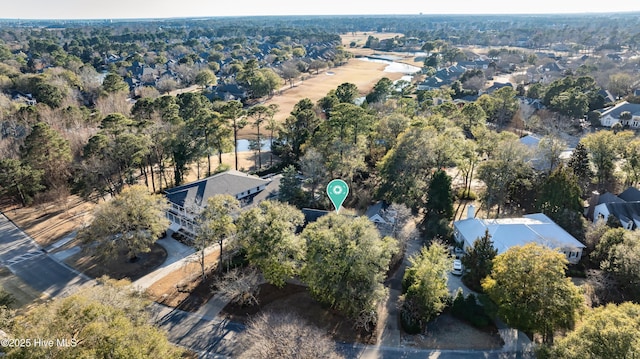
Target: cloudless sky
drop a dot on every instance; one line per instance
(104, 9)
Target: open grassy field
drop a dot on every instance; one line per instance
(361, 73)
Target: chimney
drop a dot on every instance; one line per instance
(471, 211)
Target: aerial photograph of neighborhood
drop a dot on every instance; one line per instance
(370, 180)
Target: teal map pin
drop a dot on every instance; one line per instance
(337, 191)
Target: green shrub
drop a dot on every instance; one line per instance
(466, 194)
(409, 324)
(469, 310)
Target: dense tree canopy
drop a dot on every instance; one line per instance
(105, 321)
(346, 263)
(267, 235)
(611, 331)
(131, 222)
(529, 285)
(425, 285)
(19, 181)
(47, 151)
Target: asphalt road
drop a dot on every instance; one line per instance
(209, 337)
(379, 352)
(27, 260)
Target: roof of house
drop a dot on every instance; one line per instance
(508, 232)
(608, 96)
(597, 199)
(623, 106)
(630, 194)
(609, 197)
(311, 215)
(230, 182)
(376, 208)
(625, 211)
(530, 140)
(498, 85)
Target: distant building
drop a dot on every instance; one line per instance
(509, 232)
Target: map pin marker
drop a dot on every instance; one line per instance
(337, 191)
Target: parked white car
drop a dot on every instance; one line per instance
(457, 267)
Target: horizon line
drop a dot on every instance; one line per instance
(322, 15)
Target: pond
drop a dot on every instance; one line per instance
(393, 66)
(243, 145)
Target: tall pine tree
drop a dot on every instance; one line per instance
(439, 207)
(579, 164)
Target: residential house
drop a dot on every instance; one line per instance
(611, 115)
(311, 215)
(228, 92)
(442, 77)
(498, 85)
(625, 207)
(532, 141)
(24, 98)
(533, 103)
(509, 232)
(475, 64)
(607, 95)
(189, 199)
(383, 217)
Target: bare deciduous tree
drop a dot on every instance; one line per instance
(285, 335)
(240, 286)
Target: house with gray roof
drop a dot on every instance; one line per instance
(510, 232)
(611, 116)
(625, 207)
(188, 200)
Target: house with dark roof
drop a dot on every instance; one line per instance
(311, 215)
(188, 200)
(607, 95)
(611, 115)
(625, 207)
(497, 86)
(228, 92)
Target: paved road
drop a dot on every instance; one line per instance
(27, 260)
(380, 352)
(209, 337)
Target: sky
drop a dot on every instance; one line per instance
(106, 9)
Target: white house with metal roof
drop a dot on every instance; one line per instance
(509, 232)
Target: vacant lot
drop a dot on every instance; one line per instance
(46, 223)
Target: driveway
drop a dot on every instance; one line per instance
(24, 258)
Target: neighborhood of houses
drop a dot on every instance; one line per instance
(187, 200)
